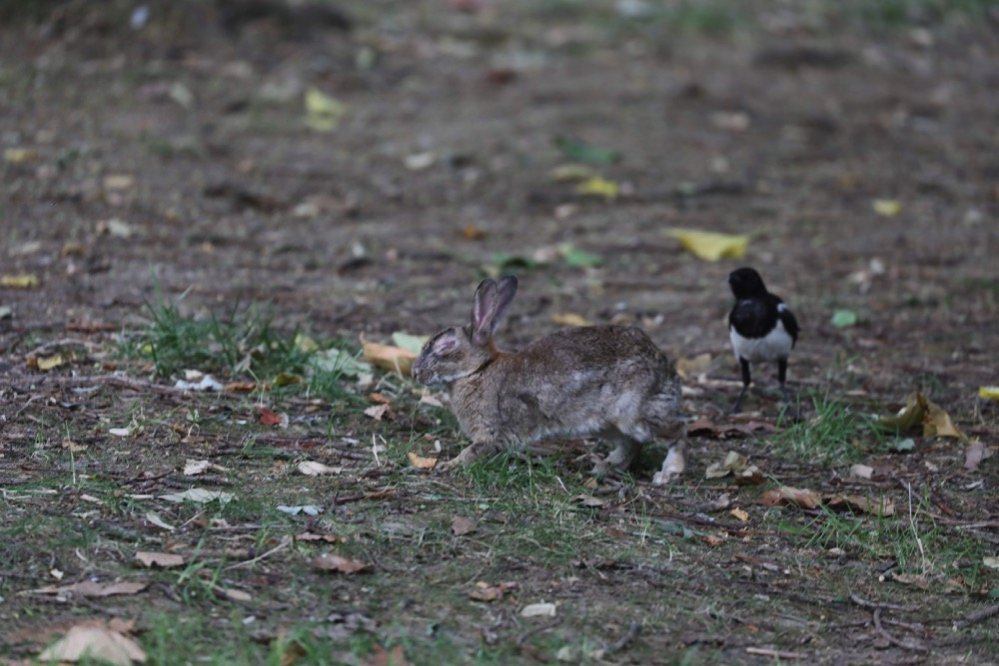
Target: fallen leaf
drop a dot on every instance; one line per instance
(861, 471)
(688, 367)
(577, 258)
(589, 501)
(808, 499)
(269, 417)
(844, 318)
(120, 432)
(236, 595)
(94, 644)
(387, 357)
(920, 410)
(711, 246)
(199, 496)
(599, 187)
(420, 462)
(974, 455)
(312, 468)
(154, 519)
(488, 592)
(322, 112)
(542, 609)
(307, 509)
(118, 182)
(164, 560)
(240, 387)
(473, 233)
(991, 562)
(312, 536)
(89, 588)
(886, 207)
(427, 399)
(116, 228)
(381, 657)
(989, 392)
(739, 514)
(411, 343)
(882, 507)
(195, 467)
(569, 319)
(581, 151)
(461, 526)
(304, 343)
(19, 155)
(204, 383)
(24, 281)
(287, 379)
(338, 564)
(45, 363)
(377, 412)
(420, 161)
(72, 446)
(573, 173)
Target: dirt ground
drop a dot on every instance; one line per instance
(161, 175)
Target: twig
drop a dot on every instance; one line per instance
(634, 629)
(537, 630)
(777, 654)
(872, 605)
(916, 647)
(285, 542)
(977, 616)
(912, 525)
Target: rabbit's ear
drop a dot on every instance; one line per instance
(491, 302)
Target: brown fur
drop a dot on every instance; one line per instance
(608, 381)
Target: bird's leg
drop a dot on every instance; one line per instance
(782, 378)
(746, 379)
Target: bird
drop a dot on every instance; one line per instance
(761, 328)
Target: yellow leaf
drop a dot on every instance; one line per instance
(688, 367)
(599, 187)
(287, 379)
(18, 155)
(25, 281)
(989, 392)
(387, 357)
(322, 112)
(887, 207)
(304, 343)
(569, 319)
(572, 173)
(49, 362)
(920, 410)
(739, 514)
(420, 462)
(711, 246)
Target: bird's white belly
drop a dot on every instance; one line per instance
(774, 345)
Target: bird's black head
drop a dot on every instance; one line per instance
(746, 283)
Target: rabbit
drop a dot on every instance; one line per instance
(609, 381)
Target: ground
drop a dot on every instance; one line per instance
(169, 205)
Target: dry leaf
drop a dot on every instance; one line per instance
(886, 207)
(589, 500)
(808, 499)
(920, 410)
(974, 455)
(882, 507)
(487, 592)
(989, 392)
(119, 182)
(195, 467)
(599, 187)
(313, 468)
(461, 525)
(382, 657)
(45, 363)
(236, 595)
(734, 462)
(420, 462)
(690, 367)
(199, 496)
(89, 588)
(25, 281)
(387, 357)
(711, 246)
(569, 319)
(672, 468)
(240, 387)
(269, 417)
(164, 560)
(19, 155)
(154, 519)
(861, 471)
(95, 643)
(739, 514)
(322, 112)
(377, 412)
(312, 536)
(542, 609)
(338, 564)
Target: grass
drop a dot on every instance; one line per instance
(837, 434)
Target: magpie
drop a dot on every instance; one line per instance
(761, 328)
